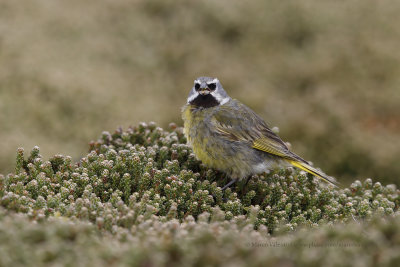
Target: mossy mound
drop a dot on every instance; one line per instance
(62, 242)
(143, 188)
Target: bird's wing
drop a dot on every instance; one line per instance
(237, 122)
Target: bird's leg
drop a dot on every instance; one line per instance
(247, 180)
(245, 184)
(229, 184)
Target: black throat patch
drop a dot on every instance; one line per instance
(205, 101)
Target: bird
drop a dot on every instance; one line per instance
(228, 136)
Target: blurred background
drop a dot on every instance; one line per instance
(327, 73)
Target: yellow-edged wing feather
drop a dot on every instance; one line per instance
(306, 167)
(255, 131)
(272, 147)
(275, 148)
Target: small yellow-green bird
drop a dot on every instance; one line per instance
(228, 136)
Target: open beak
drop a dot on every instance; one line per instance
(204, 91)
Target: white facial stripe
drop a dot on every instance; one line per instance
(223, 101)
(214, 81)
(219, 98)
(197, 81)
(192, 97)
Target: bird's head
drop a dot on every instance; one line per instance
(207, 92)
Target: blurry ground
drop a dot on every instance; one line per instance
(326, 73)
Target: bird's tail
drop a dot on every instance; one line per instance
(308, 168)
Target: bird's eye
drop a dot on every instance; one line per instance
(197, 86)
(212, 86)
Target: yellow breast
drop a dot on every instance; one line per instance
(194, 132)
(211, 149)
